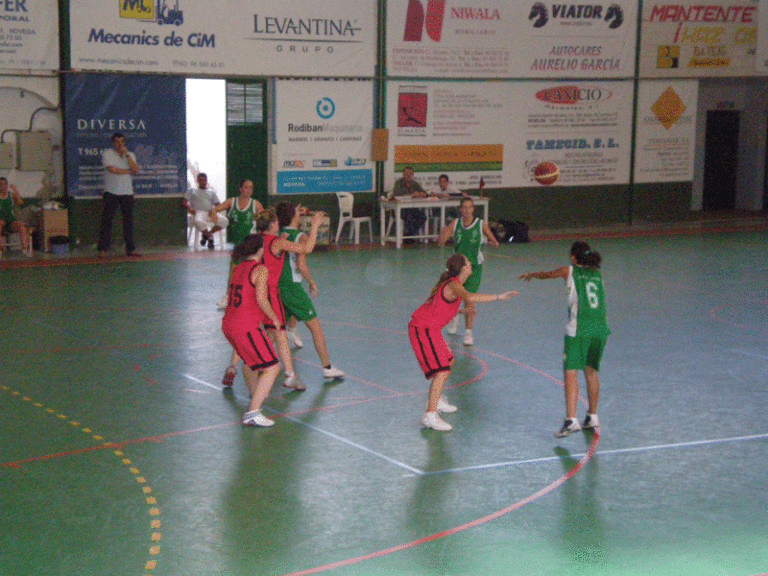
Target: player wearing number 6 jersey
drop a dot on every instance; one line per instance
(586, 332)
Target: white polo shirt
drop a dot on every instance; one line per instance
(118, 184)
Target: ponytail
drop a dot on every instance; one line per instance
(248, 247)
(452, 270)
(585, 256)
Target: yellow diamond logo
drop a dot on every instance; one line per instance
(668, 108)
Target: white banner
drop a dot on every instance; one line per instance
(666, 130)
(244, 37)
(761, 65)
(528, 39)
(556, 133)
(29, 35)
(323, 136)
(691, 38)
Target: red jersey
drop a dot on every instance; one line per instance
(273, 263)
(242, 308)
(438, 311)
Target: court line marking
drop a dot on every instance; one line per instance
(602, 453)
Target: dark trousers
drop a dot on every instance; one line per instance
(413, 220)
(111, 203)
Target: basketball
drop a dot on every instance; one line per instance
(546, 173)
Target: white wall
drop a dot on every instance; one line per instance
(206, 132)
(22, 97)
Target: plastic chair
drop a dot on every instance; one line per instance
(194, 234)
(346, 204)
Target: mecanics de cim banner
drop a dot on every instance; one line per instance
(666, 130)
(527, 39)
(323, 136)
(257, 37)
(511, 134)
(29, 35)
(699, 39)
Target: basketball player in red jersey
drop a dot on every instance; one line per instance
(424, 331)
(248, 307)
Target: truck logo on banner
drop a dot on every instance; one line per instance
(147, 11)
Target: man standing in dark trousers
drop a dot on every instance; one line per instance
(119, 168)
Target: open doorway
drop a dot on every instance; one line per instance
(721, 160)
(207, 132)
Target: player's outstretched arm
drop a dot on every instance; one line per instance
(561, 272)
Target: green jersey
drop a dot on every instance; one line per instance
(290, 273)
(6, 209)
(586, 303)
(240, 222)
(468, 240)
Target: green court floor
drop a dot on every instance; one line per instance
(121, 454)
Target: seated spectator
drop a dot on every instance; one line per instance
(406, 187)
(201, 202)
(8, 221)
(445, 189)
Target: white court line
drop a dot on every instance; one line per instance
(600, 453)
(411, 469)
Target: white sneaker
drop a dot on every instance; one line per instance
(468, 339)
(333, 372)
(444, 406)
(453, 325)
(256, 418)
(433, 420)
(293, 335)
(293, 381)
(222, 303)
(591, 421)
(568, 428)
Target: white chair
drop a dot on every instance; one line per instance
(194, 234)
(346, 204)
(13, 240)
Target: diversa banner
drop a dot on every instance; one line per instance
(150, 111)
(528, 39)
(323, 136)
(257, 37)
(511, 134)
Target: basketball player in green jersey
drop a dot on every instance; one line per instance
(585, 334)
(469, 234)
(295, 300)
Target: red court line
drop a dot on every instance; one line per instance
(473, 524)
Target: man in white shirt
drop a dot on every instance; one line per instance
(119, 168)
(201, 203)
(445, 189)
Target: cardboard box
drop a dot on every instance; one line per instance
(323, 234)
(53, 223)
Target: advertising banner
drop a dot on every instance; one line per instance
(149, 111)
(529, 39)
(666, 130)
(323, 136)
(762, 41)
(556, 133)
(29, 35)
(690, 38)
(257, 37)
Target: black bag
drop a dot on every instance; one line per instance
(511, 231)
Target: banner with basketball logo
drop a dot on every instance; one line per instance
(510, 134)
(323, 136)
(529, 39)
(688, 38)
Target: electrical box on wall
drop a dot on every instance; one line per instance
(6, 156)
(34, 151)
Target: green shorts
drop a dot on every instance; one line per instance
(297, 302)
(473, 282)
(581, 351)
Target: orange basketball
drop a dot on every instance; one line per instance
(546, 173)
